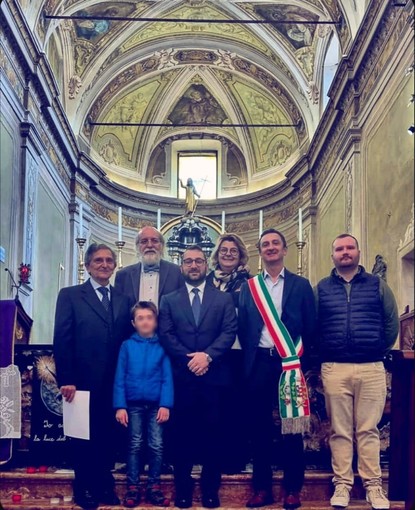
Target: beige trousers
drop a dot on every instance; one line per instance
(355, 396)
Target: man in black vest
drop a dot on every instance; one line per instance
(358, 325)
(91, 321)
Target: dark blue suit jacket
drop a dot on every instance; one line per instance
(86, 341)
(215, 333)
(127, 280)
(298, 315)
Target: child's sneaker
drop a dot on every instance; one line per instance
(132, 497)
(156, 497)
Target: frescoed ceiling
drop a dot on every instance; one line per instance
(204, 66)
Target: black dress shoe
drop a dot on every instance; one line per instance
(291, 501)
(210, 501)
(85, 499)
(183, 501)
(109, 498)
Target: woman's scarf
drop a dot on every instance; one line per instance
(230, 282)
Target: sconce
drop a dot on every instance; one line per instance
(24, 271)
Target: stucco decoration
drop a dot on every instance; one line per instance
(155, 30)
(273, 145)
(116, 144)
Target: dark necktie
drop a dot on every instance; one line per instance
(196, 305)
(105, 299)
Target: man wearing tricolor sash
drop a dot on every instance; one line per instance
(277, 320)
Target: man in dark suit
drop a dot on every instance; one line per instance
(292, 297)
(197, 326)
(91, 321)
(152, 277)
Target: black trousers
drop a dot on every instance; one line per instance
(196, 435)
(234, 451)
(262, 399)
(93, 459)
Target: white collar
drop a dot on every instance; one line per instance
(96, 285)
(201, 287)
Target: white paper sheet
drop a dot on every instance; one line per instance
(76, 416)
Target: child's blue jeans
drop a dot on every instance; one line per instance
(142, 423)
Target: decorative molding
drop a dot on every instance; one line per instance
(409, 232)
(349, 197)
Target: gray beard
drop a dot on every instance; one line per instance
(151, 259)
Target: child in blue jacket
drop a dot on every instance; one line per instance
(143, 397)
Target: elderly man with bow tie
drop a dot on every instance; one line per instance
(152, 277)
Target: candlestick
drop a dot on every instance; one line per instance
(81, 220)
(120, 224)
(120, 246)
(300, 225)
(223, 222)
(81, 266)
(158, 219)
(300, 245)
(261, 221)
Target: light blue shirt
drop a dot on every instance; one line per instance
(201, 288)
(275, 289)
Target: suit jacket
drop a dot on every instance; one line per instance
(214, 334)
(298, 315)
(127, 280)
(86, 340)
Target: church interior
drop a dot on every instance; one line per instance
(287, 114)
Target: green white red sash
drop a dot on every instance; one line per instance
(294, 403)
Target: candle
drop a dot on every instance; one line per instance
(120, 224)
(223, 222)
(300, 225)
(81, 220)
(261, 221)
(158, 219)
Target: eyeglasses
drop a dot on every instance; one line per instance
(152, 240)
(232, 251)
(189, 262)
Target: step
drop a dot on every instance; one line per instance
(37, 489)
(306, 505)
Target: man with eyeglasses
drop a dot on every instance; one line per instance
(197, 327)
(152, 277)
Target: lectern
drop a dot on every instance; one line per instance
(15, 326)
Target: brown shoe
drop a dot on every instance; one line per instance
(291, 500)
(260, 498)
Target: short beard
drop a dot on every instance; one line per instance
(193, 282)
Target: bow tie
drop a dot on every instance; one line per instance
(150, 268)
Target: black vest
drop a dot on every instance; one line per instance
(351, 326)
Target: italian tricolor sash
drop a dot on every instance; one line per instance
(293, 395)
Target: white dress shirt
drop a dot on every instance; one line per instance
(275, 289)
(97, 285)
(201, 288)
(149, 286)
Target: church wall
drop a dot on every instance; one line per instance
(51, 248)
(389, 161)
(330, 223)
(11, 191)
(7, 201)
